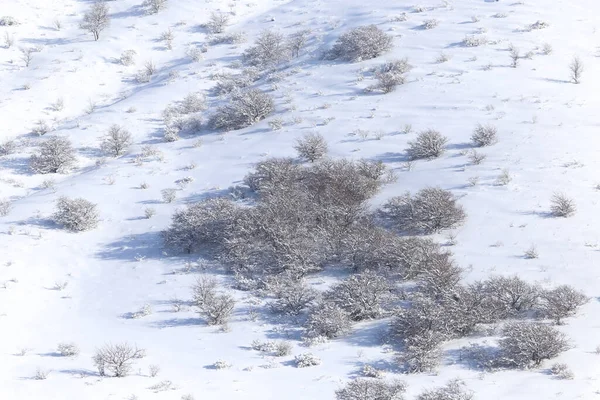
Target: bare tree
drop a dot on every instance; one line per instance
(311, 147)
(562, 206)
(297, 41)
(154, 6)
(429, 144)
(96, 19)
(576, 68)
(116, 359)
(76, 215)
(27, 55)
(116, 142)
(270, 49)
(527, 344)
(218, 22)
(515, 56)
(56, 156)
(244, 109)
(561, 302)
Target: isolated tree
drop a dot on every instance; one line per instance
(561, 302)
(430, 210)
(116, 142)
(484, 135)
(527, 345)
(371, 389)
(96, 19)
(514, 57)
(562, 206)
(76, 215)
(154, 6)
(361, 43)
(56, 156)
(270, 49)
(428, 145)
(311, 147)
(116, 359)
(245, 108)
(576, 68)
(27, 55)
(297, 41)
(218, 22)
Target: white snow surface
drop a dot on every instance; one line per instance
(548, 140)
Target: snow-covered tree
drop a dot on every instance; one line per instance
(96, 19)
(56, 156)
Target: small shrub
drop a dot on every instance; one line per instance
(428, 145)
(311, 147)
(270, 49)
(116, 359)
(168, 195)
(245, 108)
(221, 365)
(562, 206)
(154, 6)
(561, 371)
(8, 21)
(128, 57)
(293, 295)
(539, 25)
(421, 353)
(41, 374)
(576, 68)
(361, 43)
(283, 349)
(430, 210)
(218, 22)
(390, 75)
(327, 320)
(218, 309)
(153, 370)
(116, 142)
(56, 156)
(7, 147)
(531, 253)
(504, 178)
(561, 302)
(453, 390)
(371, 389)
(96, 19)
(369, 371)
(474, 41)
(5, 206)
(76, 215)
(149, 212)
(484, 135)
(430, 24)
(68, 349)
(41, 127)
(305, 360)
(527, 345)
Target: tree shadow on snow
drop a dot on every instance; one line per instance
(148, 245)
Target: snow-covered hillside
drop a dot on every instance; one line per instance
(58, 286)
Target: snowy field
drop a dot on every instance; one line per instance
(120, 283)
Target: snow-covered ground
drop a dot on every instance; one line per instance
(547, 126)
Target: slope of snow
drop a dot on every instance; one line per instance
(548, 141)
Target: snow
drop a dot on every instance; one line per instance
(547, 140)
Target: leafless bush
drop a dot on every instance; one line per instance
(5, 206)
(311, 147)
(56, 156)
(504, 178)
(218, 22)
(9, 40)
(168, 37)
(476, 157)
(361, 43)
(27, 55)
(429, 144)
(76, 215)
(96, 19)
(430, 210)
(297, 41)
(430, 23)
(270, 49)
(421, 353)
(561, 371)
(561, 302)
(41, 128)
(474, 40)
(510, 297)
(292, 295)
(390, 75)
(41, 374)
(576, 68)
(7, 20)
(453, 390)
(116, 142)
(168, 195)
(207, 222)
(328, 320)
(515, 56)
(562, 206)
(484, 135)
(283, 349)
(149, 212)
(7, 147)
(192, 103)
(527, 345)
(364, 296)
(154, 6)
(228, 83)
(215, 307)
(68, 349)
(245, 108)
(371, 389)
(305, 360)
(127, 57)
(116, 359)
